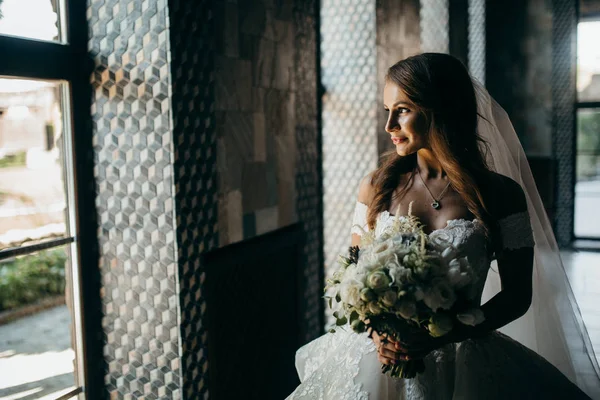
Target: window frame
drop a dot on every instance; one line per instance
(589, 105)
(68, 61)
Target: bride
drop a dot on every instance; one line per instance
(460, 164)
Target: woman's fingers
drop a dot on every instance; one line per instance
(386, 360)
(386, 352)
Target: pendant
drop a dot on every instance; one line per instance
(435, 204)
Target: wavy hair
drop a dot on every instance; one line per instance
(440, 87)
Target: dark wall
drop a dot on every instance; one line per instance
(519, 68)
(255, 108)
(398, 37)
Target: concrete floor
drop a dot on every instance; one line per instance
(36, 359)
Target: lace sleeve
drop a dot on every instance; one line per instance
(515, 231)
(360, 218)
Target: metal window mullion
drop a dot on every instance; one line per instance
(36, 59)
(70, 394)
(24, 250)
(587, 104)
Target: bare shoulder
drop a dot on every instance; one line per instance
(504, 195)
(366, 191)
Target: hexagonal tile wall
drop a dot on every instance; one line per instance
(134, 183)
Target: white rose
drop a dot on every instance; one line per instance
(400, 275)
(355, 273)
(350, 292)
(384, 253)
(378, 280)
(471, 317)
(389, 298)
(458, 274)
(440, 295)
(367, 295)
(449, 253)
(407, 309)
(439, 325)
(419, 294)
(440, 240)
(375, 308)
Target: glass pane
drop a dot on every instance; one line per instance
(32, 19)
(32, 189)
(36, 354)
(587, 188)
(588, 61)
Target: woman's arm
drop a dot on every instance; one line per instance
(365, 195)
(516, 269)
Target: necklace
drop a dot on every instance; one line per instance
(436, 202)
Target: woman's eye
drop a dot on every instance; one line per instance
(403, 110)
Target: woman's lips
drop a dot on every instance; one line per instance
(398, 140)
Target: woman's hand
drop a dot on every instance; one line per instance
(390, 351)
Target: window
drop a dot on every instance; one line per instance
(587, 186)
(41, 325)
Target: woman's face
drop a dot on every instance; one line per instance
(407, 126)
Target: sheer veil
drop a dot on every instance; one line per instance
(553, 326)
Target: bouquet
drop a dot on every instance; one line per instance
(404, 281)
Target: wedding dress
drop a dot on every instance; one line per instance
(344, 365)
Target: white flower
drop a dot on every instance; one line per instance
(458, 272)
(378, 280)
(439, 295)
(419, 294)
(367, 295)
(440, 240)
(399, 274)
(389, 298)
(375, 308)
(471, 317)
(407, 309)
(439, 325)
(377, 256)
(355, 273)
(449, 253)
(351, 286)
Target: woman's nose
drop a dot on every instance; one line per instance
(391, 124)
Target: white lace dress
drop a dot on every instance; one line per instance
(344, 365)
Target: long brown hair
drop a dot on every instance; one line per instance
(440, 87)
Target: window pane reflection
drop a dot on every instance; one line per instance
(587, 188)
(37, 360)
(32, 190)
(588, 61)
(32, 19)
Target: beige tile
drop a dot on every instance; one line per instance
(287, 202)
(235, 225)
(267, 220)
(260, 139)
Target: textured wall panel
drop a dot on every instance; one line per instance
(192, 39)
(477, 39)
(434, 26)
(134, 184)
(564, 28)
(308, 175)
(398, 37)
(350, 101)
(256, 106)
